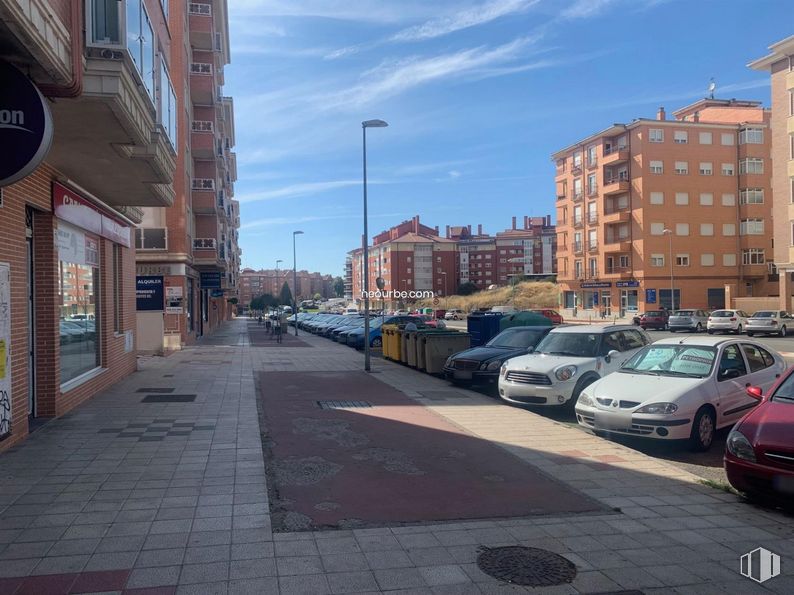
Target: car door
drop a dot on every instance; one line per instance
(612, 341)
(732, 382)
(762, 368)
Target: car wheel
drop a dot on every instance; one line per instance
(782, 332)
(698, 328)
(703, 428)
(377, 342)
(750, 333)
(739, 330)
(710, 332)
(570, 404)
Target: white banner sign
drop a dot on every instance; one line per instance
(5, 350)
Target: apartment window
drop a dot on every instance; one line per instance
(593, 267)
(591, 184)
(167, 104)
(753, 256)
(704, 138)
(707, 229)
(728, 200)
(577, 159)
(577, 215)
(656, 135)
(140, 43)
(657, 260)
(707, 260)
(729, 229)
(729, 260)
(751, 136)
(681, 198)
(681, 167)
(657, 229)
(751, 165)
(657, 198)
(682, 260)
(682, 229)
(591, 156)
(751, 196)
(751, 227)
(706, 168)
(706, 199)
(727, 169)
(727, 138)
(105, 22)
(592, 239)
(657, 167)
(577, 269)
(624, 262)
(577, 188)
(680, 137)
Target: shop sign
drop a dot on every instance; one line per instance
(5, 350)
(173, 299)
(149, 294)
(166, 270)
(650, 296)
(211, 280)
(75, 247)
(25, 125)
(595, 284)
(68, 206)
(627, 284)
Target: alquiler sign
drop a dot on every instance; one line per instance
(25, 125)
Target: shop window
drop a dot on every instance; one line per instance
(118, 288)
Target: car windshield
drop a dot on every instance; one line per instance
(684, 313)
(695, 361)
(722, 314)
(570, 344)
(765, 314)
(517, 338)
(784, 392)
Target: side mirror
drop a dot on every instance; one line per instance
(612, 353)
(755, 392)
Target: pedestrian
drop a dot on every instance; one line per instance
(279, 330)
(411, 326)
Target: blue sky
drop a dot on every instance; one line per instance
(477, 93)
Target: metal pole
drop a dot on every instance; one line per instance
(672, 290)
(295, 283)
(366, 257)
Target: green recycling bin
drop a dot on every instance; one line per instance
(420, 344)
(439, 346)
(409, 340)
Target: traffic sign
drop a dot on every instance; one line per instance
(436, 301)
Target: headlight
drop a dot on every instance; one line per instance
(739, 446)
(565, 372)
(494, 365)
(503, 370)
(659, 409)
(448, 363)
(585, 400)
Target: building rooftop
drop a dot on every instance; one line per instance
(778, 51)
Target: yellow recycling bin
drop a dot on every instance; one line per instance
(389, 338)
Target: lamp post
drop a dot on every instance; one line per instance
(364, 125)
(295, 280)
(669, 232)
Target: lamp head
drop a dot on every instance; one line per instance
(667, 231)
(295, 233)
(374, 124)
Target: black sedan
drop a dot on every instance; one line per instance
(480, 365)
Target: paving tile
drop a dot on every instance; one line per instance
(296, 548)
(128, 543)
(165, 557)
(215, 588)
(18, 567)
(31, 549)
(337, 545)
(61, 564)
(111, 561)
(209, 553)
(352, 582)
(398, 578)
(41, 585)
(244, 551)
(259, 586)
(153, 577)
(382, 560)
(344, 562)
(252, 568)
(166, 541)
(100, 582)
(316, 584)
(299, 565)
(204, 573)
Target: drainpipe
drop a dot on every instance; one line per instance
(75, 87)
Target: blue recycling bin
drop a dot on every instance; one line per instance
(483, 326)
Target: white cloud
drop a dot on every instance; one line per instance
(584, 9)
(454, 173)
(364, 11)
(296, 190)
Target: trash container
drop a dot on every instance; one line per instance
(440, 345)
(523, 318)
(405, 336)
(483, 326)
(388, 333)
(409, 340)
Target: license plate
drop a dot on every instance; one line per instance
(784, 483)
(609, 420)
(461, 375)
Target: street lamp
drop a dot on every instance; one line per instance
(669, 232)
(295, 281)
(364, 125)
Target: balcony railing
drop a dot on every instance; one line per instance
(202, 126)
(203, 184)
(201, 68)
(592, 190)
(196, 8)
(592, 218)
(578, 221)
(578, 195)
(614, 149)
(591, 163)
(204, 244)
(592, 246)
(617, 270)
(578, 247)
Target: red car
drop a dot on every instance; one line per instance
(759, 453)
(656, 319)
(552, 315)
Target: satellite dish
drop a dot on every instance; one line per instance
(712, 87)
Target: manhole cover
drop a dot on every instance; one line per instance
(168, 399)
(528, 566)
(343, 404)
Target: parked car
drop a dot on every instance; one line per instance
(553, 315)
(655, 319)
(454, 314)
(355, 338)
(680, 389)
(771, 322)
(729, 321)
(566, 361)
(688, 320)
(480, 365)
(759, 453)
(504, 309)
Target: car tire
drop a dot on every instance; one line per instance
(570, 404)
(782, 332)
(710, 332)
(377, 342)
(703, 429)
(739, 330)
(699, 328)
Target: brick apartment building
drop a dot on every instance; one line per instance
(191, 247)
(697, 185)
(414, 257)
(67, 259)
(255, 283)
(780, 64)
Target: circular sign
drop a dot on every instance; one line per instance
(25, 124)
(380, 282)
(436, 301)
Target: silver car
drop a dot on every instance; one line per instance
(772, 322)
(688, 320)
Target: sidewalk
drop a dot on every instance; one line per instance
(171, 497)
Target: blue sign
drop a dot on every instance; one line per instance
(650, 296)
(627, 284)
(149, 294)
(25, 124)
(216, 293)
(211, 280)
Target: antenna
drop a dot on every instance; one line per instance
(712, 87)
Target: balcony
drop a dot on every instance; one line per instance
(592, 190)
(578, 195)
(202, 27)
(592, 218)
(592, 246)
(613, 245)
(578, 247)
(755, 271)
(576, 169)
(615, 156)
(207, 203)
(202, 83)
(202, 139)
(618, 272)
(616, 186)
(619, 216)
(205, 252)
(591, 163)
(578, 222)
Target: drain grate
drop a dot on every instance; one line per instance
(528, 566)
(155, 390)
(343, 404)
(168, 399)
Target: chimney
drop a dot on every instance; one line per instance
(468, 228)
(696, 117)
(660, 115)
(514, 222)
(447, 231)
(479, 229)
(436, 228)
(526, 222)
(416, 224)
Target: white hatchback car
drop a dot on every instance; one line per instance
(729, 321)
(680, 389)
(567, 360)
